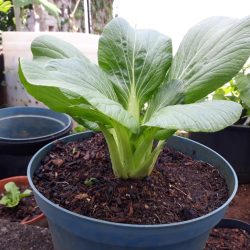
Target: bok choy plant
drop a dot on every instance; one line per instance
(139, 94)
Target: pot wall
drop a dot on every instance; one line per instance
(72, 231)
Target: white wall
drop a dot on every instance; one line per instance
(175, 17)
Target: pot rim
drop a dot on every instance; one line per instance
(233, 223)
(238, 127)
(148, 226)
(68, 125)
(34, 219)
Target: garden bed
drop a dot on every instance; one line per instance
(15, 236)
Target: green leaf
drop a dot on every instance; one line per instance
(207, 116)
(5, 6)
(136, 60)
(22, 3)
(75, 80)
(49, 47)
(243, 84)
(78, 129)
(26, 193)
(11, 198)
(164, 134)
(86, 124)
(210, 54)
(11, 187)
(64, 101)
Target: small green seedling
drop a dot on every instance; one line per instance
(13, 195)
(90, 181)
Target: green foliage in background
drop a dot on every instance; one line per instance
(5, 6)
(101, 14)
(6, 16)
(237, 90)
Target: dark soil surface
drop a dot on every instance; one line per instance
(239, 208)
(25, 210)
(228, 238)
(14, 236)
(78, 177)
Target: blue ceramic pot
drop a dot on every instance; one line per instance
(23, 131)
(71, 231)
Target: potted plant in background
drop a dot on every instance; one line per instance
(233, 142)
(17, 202)
(137, 97)
(229, 234)
(24, 130)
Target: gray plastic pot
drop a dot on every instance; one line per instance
(23, 131)
(71, 231)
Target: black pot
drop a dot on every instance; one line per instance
(2, 88)
(232, 223)
(23, 131)
(1, 67)
(233, 143)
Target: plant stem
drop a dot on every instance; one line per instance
(117, 166)
(131, 157)
(133, 105)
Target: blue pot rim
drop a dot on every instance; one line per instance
(126, 224)
(68, 122)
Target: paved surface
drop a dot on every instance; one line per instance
(14, 236)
